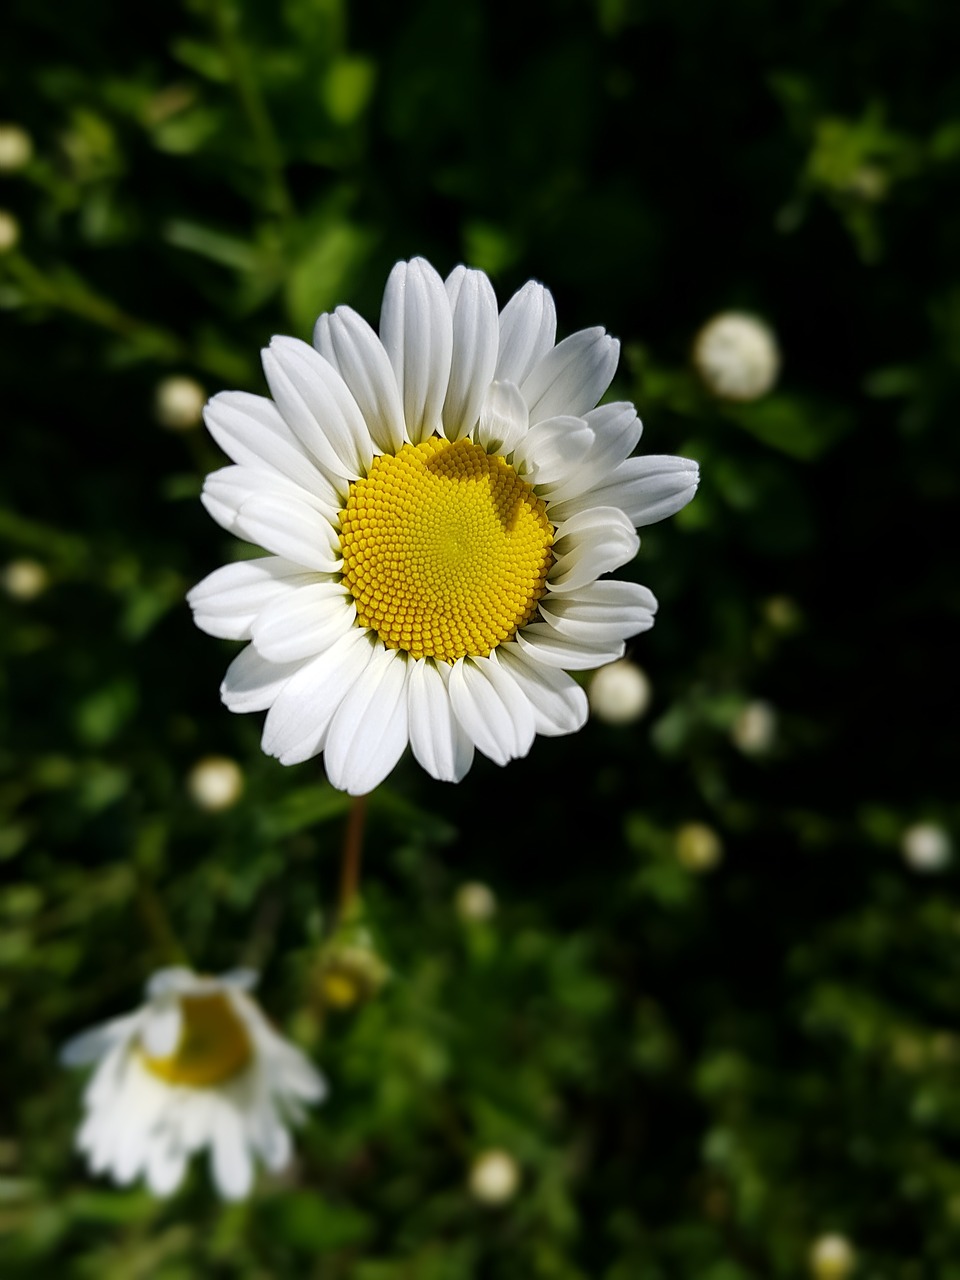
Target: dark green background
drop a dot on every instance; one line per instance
(697, 1074)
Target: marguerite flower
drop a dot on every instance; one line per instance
(441, 503)
(197, 1066)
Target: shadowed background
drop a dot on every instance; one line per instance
(698, 1070)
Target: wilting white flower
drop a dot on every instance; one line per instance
(494, 1177)
(442, 503)
(832, 1257)
(9, 231)
(196, 1067)
(16, 148)
(926, 846)
(215, 783)
(475, 902)
(755, 728)
(698, 846)
(619, 693)
(737, 356)
(178, 402)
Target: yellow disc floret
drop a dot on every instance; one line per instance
(213, 1046)
(445, 550)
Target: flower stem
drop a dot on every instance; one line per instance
(269, 155)
(352, 851)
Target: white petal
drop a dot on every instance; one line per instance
(473, 307)
(226, 491)
(587, 545)
(355, 351)
(166, 1165)
(253, 684)
(417, 333)
(319, 408)
(274, 1144)
(295, 1073)
(552, 450)
(543, 644)
(95, 1043)
(528, 330)
(297, 723)
(559, 704)
(491, 708)
(368, 733)
(228, 600)
(162, 1027)
(196, 1119)
(292, 530)
(647, 489)
(601, 612)
(438, 742)
(231, 1165)
(251, 430)
(304, 622)
(240, 979)
(175, 978)
(572, 377)
(616, 430)
(658, 486)
(503, 419)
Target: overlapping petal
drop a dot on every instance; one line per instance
(351, 346)
(473, 310)
(416, 328)
(228, 601)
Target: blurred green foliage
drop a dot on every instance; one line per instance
(698, 1072)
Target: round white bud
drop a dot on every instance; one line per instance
(16, 148)
(494, 1177)
(737, 356)
(926, 846)
(9, 231)
(24, 579)
(755, 728)
(178, 402)
(832, 1257)
(475, 902)
(619, 693)
(215, 783)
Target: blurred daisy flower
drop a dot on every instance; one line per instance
(196, 1067)
(441, 503)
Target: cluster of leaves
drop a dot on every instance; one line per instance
(697, 1071)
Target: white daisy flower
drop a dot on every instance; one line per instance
(197, 1066)
(441, 503)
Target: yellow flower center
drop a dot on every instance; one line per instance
(214, 1044)
(445, 550)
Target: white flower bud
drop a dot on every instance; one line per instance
(737, 356)
(832, 1258)
(179, 402)
(619, 693)
(24, 579)
(16, 148)
(215, 783)
(494, 1177)
(9, 231)
(755, 728)
(475, 902)
(926, 846)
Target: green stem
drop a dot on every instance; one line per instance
(157, 923)
(352, 852)
(276, 194)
